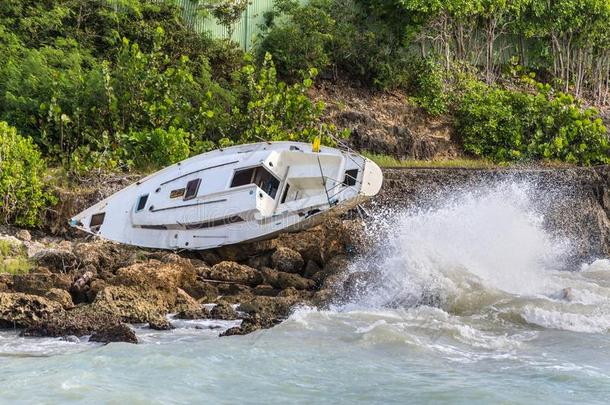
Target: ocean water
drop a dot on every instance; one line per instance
(472, 301)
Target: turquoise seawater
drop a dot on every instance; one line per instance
(470, 302)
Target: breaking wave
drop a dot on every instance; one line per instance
(478, 272)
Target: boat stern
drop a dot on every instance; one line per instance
(372, 178)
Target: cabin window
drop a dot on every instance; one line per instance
(350, 177)
(141, 202)
(176, 193)
(283, 200)
(192, 187)
(259, 176)
(96, 221)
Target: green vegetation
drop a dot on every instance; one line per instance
(22, 172)
(475, 60)
(95, 86)
(126, 84)
(12, 261)
(508, 125)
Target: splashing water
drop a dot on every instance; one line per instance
(482, 252)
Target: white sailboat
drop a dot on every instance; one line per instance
(233, 195)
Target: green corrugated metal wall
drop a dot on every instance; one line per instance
(245, 30)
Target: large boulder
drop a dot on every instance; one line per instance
(58, 260)
(129, 305)
(82, 320)
(114, 333)
(287, 260)
(155, 275)
(22, 310)
(224, 311)
(234, 273)
(39, 283)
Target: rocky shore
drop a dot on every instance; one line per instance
(93, 287)
(58, 283)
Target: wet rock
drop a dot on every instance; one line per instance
(161, 323)
(80, 321)
(22, 310)
(252, 324)
(223, 311)
(114, 333)
(71, 339)
(186, 303)
(193, 313)
(235, 290)
(60, 296)
(23, 235)
(233, 272)
(273, 307)
(287, 260)
(336, 265)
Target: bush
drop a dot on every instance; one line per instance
(156, 148)
(270, 109)
(301, 39)
(428, 86)
(509, 125)
(23, 195)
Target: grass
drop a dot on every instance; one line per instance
(11, 261)
(390, 162)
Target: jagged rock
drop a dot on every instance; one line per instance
(282, 280)
(156, 275)
(193, 313)
(57, 260)
(80, 321)
(311, 268)
(23, 235)
(186, 303)
(308, 243)
(275, 307)
(60, 296)
(260, 261)
(22, 310)
(210, 257)
(95, 287)
(130, 305)
(235, 273)
(114, 333)
(223, 311)
(39, 283)
(160, 323)
(265, 290)
(287, 260)
(252, 324)
(80, 286)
